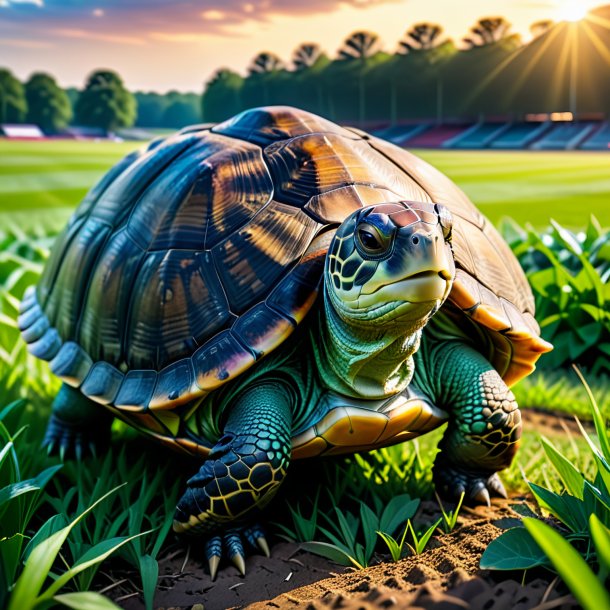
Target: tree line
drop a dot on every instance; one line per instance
(427, 77)
(104, 103)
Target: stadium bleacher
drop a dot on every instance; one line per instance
(520, 135)
(479, 136)
(399, 134)
(565, 136)
(599, 139)
(435, 137)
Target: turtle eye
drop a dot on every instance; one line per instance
(370, 240)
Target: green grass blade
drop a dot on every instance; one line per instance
(40, 562)
(577, 575)
(86, 600)
(601, 538)
(598, 420)
(34, 484)
(332, 552)
(95, 555)
(571, 477)
(149, 571)
(423, 541)
(392, 545)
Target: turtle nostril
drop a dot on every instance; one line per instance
(445, 275)
(415, 240)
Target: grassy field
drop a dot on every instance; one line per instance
(41, 182)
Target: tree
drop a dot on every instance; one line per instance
(151, 107)
(306, 55)
(359, 45)
(222, 96)
(105, 102)
(487, 31)
(180, 113)
(48, 104)
(13, 103)
(264, 63)
(541, 27)
(421, 36)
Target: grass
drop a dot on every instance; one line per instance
(50, 178)
(531, 186)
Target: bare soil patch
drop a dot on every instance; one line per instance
(444, 577)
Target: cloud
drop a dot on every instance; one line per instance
(21, 43)
(175, 19)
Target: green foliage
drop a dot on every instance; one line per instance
(569, 274)
(48, 104)
(13, 103)
(450, 518)
(105, 102)
(583, 507)
(420, 541)
(352, 536)
(579, 577)
(560, 390)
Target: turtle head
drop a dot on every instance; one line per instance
(391, 264)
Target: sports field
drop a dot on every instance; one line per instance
(41, 182)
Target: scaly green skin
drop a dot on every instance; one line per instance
(484, 426)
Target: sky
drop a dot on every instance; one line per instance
(158, 45)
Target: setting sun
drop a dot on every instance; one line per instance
(571, 10)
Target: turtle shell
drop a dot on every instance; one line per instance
(192, 259)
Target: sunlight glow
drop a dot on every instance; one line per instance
(571, 10)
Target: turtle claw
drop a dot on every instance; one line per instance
(478, 487)
(213, 563)
(231, 546)
(71, 441)
(481, 496)
(496, 487)
(261, 542)
(239, 562)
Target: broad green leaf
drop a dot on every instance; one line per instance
(577, 575)
(398, 511)
(571, 477)
(86, 600)
(601, 538)
(515, 549)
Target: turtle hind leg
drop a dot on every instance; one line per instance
(484, 425)
(78, 427)
(241, 475)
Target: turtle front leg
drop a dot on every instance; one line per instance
(484, 426)
(240, 476)
(78, 426)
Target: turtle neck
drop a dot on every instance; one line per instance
(359, 361)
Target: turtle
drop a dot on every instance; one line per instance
(278, 287)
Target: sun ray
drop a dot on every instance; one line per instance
(505, 63)
(601, 48)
